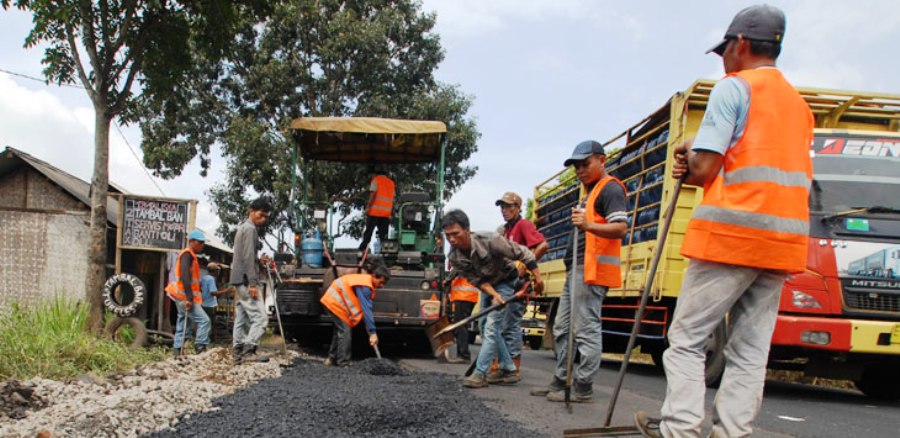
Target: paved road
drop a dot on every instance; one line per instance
(788, 409)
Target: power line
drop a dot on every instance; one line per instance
(118, 129)
(44, 81)
(153, 180)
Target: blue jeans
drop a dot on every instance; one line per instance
(492, 343)
(512, 326)
(588, 329)
(197, 316)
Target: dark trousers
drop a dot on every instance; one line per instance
(462, 309)
(211, 313)
(371, 222)
(341, 344)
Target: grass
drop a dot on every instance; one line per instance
(49, 340)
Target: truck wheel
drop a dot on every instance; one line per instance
(114, 329)
(715, 355)
(129, 297)
(879, 381)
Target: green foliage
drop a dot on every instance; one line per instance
(308, 58)
(49, 340)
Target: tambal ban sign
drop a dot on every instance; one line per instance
(154, 223)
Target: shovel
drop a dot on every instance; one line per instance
(269, 268)
(608, 430)
(520, 294)
(570, 337)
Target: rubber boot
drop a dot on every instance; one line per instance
(250, 355)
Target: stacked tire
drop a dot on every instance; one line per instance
(118, 300)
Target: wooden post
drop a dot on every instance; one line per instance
(121, 221)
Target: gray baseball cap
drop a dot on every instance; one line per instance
(759, 22)
(583, 150)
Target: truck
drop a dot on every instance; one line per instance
(840, 318)
(413, 249)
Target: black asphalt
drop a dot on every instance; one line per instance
(370, 398)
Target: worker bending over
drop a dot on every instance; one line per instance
(489, 264)
(349, 301)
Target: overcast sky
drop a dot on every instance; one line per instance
(545, 75)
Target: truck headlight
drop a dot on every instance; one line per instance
(818, 338)
(803, 300)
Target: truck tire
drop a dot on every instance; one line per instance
(131, 296)
(140, 332)
(879, 381)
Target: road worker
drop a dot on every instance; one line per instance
(751, 156)
(185, 292)
(601, 222)
(379, 207)
(488, 262)
(463, 296)
(349, 301)
(250, 318)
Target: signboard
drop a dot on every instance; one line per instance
(154, 224)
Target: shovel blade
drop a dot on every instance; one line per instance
(602, 431)
(440, 338)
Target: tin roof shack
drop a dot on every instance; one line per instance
(44, 236)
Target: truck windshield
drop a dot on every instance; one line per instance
(853, 171)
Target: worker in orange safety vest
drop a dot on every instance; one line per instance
(349, 301)
(463, 296)
(185, 293)
(379, 207)
(751, 156)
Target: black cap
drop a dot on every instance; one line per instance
(759, 23)
(583, 150)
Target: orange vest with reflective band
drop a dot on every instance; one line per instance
(175, 289)
(384, 197)
(462, 290)
(341, 300)
(756, 211)
(602, 265)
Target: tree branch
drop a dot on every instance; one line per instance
(92, 93)
(90, 46)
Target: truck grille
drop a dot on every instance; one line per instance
(879, 301)
(301, 302)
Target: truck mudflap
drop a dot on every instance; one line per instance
(839, 335)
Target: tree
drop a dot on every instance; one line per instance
(310, 58)
(111, 47)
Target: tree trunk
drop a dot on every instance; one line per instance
(96, 273)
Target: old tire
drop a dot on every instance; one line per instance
(879, 381)
(140, 332)
(130, 297)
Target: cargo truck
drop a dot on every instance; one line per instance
(840, 318)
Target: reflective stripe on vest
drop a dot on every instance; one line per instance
(175, 289)
(602, 264)
(341, 300)
(462, 290)
(383, 203)
(756, 211)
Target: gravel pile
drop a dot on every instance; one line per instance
(146, 399)
(370, 398)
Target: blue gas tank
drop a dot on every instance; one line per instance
(311, 249)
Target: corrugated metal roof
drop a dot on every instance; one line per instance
(11, 159)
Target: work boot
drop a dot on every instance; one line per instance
(495, 366)
(237, 351)
(581, 393)
(476, 380)
(518, 362)
(556, 385)
(250, 355)
(503, 377)
(199, 348)
(649, 427)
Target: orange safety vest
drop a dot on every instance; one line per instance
(175, 289)
(341, 299)
(384, 197)
(462, 290)
(755, 212)
(602, 265)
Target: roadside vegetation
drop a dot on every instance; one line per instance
(50, 340)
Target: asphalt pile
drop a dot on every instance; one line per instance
(371, 398)
(16, 399)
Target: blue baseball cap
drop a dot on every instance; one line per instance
(197, 235)
(583, 150)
